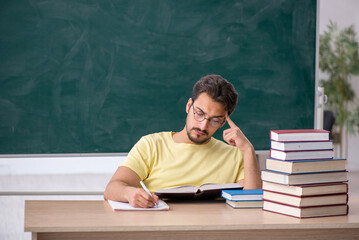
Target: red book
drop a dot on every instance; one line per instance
(308, 189)
(304, 178)
(305, 166)
(298, 135)
(305, 201)
(306, 212)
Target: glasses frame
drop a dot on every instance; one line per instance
(209, 119)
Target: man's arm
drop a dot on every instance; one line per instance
(124, 187)
(235, 137)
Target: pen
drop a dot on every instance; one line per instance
(147, 191)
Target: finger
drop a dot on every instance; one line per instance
(150, 201)
(228, 131)
(156, 199)
(230, 138)
(231, 123)
(234, 129)
(146, 201)
(231, 142)
(143, 199)
(231, 133)
(137, 199)
(227, 136)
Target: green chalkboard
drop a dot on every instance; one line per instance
(87, 76)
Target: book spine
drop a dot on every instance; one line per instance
(286, 179)
(307, 217)
(301, 145)
(293, 206)
(298, 173)
(271, 135)
(308, 196)
(309, 151)
(289, 131)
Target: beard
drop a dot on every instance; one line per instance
(197, 140)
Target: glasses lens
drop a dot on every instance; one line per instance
(215, 123)
(198, 116)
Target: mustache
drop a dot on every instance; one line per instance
(203, 131)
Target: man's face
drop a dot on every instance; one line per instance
(199, 132)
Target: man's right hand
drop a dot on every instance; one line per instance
(137, 197)
(124, 187)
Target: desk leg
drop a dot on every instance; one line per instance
(34, 236)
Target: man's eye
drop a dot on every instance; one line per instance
(200, 114)
(217, 121)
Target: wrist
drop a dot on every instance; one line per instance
(128, 192)
(248, 149)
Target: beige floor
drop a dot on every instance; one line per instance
(14, 190)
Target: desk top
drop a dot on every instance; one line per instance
(86, 216)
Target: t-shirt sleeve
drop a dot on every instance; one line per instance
(139, 158)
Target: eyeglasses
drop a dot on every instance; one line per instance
(214, 121)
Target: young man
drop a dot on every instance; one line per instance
(191, 156)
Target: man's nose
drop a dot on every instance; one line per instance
(204, 124)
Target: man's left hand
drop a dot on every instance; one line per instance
(235, 137)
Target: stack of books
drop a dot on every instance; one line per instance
(302, 179)
(244, 198)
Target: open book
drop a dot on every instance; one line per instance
(205, 191)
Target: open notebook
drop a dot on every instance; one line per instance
(122, 206)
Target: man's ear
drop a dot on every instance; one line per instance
(189, 104)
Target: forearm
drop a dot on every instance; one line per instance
(252, 178)
(118, 191)
(124, 186)
(235, 137)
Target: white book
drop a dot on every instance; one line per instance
(304, 178)
(306, 166)
(307, 189)
(305, 201)
(302, 155)
(301, 146)
(292, 135)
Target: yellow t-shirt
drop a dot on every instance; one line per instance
(160, 162)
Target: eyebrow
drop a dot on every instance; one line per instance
(219, 116)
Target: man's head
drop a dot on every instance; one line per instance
(213, 100)
(219, 89)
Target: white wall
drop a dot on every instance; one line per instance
(62, 164)
(344, 13)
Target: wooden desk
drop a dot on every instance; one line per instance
(198, 220)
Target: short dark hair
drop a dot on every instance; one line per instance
(219, 89)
